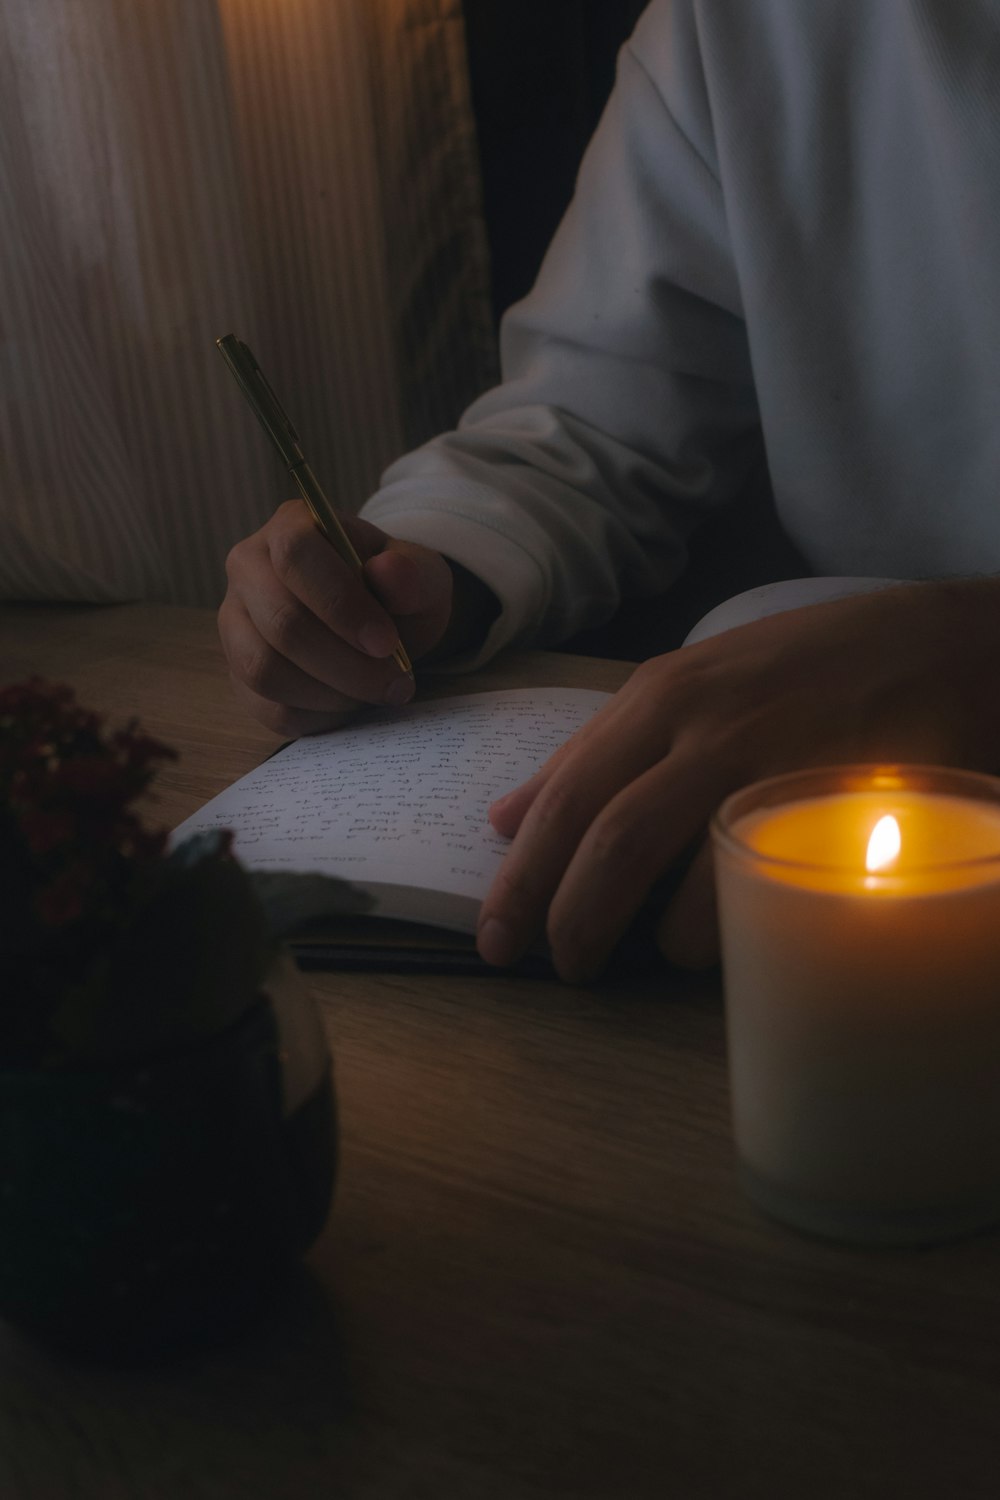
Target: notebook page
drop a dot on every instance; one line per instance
(402, 798)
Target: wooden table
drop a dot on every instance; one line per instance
(539, 1277)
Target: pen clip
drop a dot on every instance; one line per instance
(257, 389)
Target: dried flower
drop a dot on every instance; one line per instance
(69, 790)
(109, 945)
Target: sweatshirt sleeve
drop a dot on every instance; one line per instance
(626, 412)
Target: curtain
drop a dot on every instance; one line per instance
(301, 172)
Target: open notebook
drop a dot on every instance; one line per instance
(397, 805)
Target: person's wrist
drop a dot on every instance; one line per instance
(474, 607)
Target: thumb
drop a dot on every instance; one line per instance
(414, 584)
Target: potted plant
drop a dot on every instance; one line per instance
(167, 1117)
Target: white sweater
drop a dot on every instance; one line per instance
(785, 236)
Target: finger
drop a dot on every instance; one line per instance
(688, 932)
(410, 580)
(289, 723)
(266, 673)
(633, 841)
(313, 572)
(279, 648)
(367, 539)
(589, 770)
(416, 586)
(507, 813)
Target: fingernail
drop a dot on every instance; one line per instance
(495, 942)
(377, 640)
(400, 691)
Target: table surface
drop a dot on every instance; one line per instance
(539, 1277)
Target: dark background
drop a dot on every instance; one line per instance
(541, 72)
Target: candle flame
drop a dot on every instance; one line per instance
(884, 844)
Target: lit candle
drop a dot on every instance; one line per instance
(860, 922)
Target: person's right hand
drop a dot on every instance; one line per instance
(306, 641)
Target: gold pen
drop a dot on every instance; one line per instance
(256, 388)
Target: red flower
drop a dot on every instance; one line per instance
(44, 830)
(65, 900)
(69, 790)
(80, 872)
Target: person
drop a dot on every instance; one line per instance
(783, 250)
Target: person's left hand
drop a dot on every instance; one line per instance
(905, 674)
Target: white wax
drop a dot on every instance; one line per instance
(863, 1012)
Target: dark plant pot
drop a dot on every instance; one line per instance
(150, 1210)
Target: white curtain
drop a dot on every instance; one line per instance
(300, 172)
